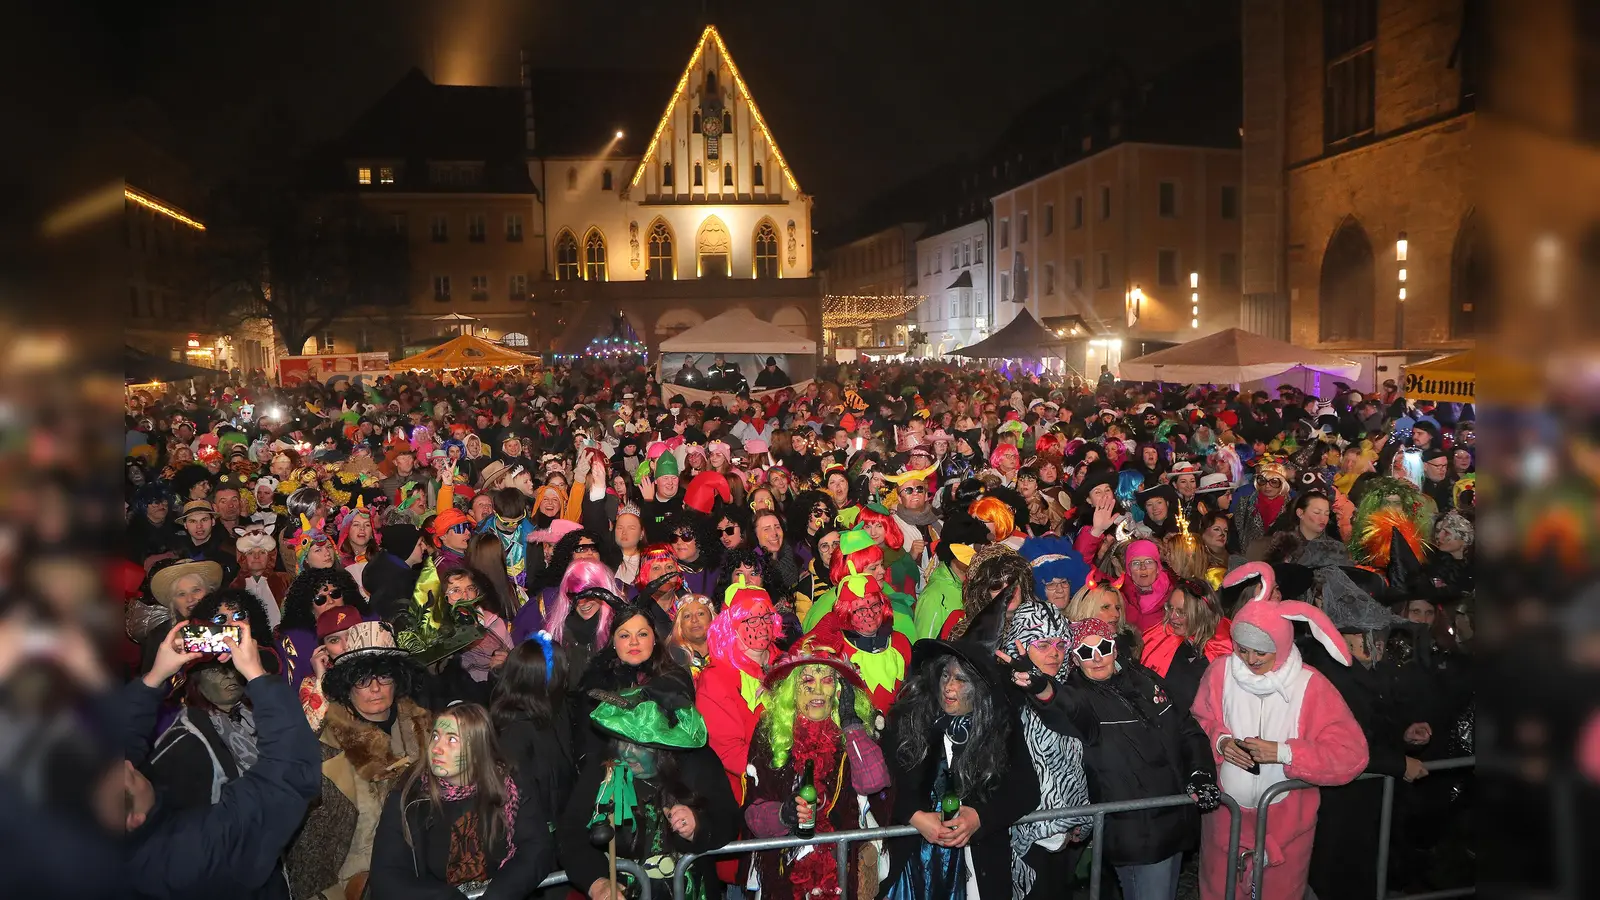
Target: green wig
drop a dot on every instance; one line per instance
(777, 720)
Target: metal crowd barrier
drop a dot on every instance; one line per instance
(558, 878)
(841, 840)
(1385, 825)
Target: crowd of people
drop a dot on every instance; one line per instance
(447, 633)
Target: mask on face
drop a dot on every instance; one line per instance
(220, 685)
(815, 695)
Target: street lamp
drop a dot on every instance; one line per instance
(1194, 299)
(1402, 249)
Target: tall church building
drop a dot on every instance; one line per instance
(542, 212)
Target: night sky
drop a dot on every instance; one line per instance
(861, 94)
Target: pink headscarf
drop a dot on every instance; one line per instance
(1144, 608)
(1087, 628)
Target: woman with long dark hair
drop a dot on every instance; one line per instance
(533, 720)
(461, 821)
(959, 763)
(806, 515)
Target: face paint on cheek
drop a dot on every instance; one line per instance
(755, 633)
(445, 759)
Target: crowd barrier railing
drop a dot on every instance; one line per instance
(1385, 826)
(559, 878)
(841, 840)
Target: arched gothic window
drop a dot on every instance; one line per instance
(567, 257)
(594, 256)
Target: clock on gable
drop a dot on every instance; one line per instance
(711, 115)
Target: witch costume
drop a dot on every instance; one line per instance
(656, 758)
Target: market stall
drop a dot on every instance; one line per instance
(1233, 356)
(743, 340)
(1443, 379)
(465, 352)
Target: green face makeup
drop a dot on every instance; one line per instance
(814, 696)
(447, 754)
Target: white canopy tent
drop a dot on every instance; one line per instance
(1233, 356)
(743, 340)
(738, 331)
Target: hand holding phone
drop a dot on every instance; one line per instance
(208, 638)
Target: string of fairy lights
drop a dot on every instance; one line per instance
(855, 310)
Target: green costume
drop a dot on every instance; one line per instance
(940, 599)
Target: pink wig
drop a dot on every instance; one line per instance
(1001, 452)
(722, 639)
(582, 575)
(893, 537)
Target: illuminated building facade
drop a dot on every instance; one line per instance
(544, 210)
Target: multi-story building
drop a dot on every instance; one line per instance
(543, 211)
(1358, 125)
(170, 312)
(1123, 211)
(954, 278)
(875, 267)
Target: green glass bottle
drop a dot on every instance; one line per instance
(807, 791)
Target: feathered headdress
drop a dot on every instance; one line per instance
(1372, 539)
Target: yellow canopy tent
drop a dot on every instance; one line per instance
(1447, 379)
(465, 352)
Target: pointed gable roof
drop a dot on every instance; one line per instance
(707, 38)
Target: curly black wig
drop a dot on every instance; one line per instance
(300, 612)
(799, 513)
(991, 582)
(410, 679)
(543, 575)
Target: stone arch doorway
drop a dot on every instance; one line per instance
(1345, 297)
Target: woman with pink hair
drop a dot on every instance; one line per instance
(1270, 718)
(728, 690)
(582, 628)
(1006, 459)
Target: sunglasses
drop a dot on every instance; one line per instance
(819, 513)
(1103, 649)
(237, 615)
(686, 537)
(371, 680)
(329, 597)
(913, 490)
(463, 528)
(729, 530)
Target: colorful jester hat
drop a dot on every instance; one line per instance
(854, 541)
(634, 719)
(435, 629)
(310, 534)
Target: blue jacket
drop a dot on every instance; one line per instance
(231, 848)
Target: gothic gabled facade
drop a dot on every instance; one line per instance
(543, 210)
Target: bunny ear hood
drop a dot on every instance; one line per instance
(1276, 620)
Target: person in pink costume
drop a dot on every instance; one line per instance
(728, 691)
(1146, 583)
(1262, 707)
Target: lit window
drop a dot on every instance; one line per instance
(515, 339)
(594, 256)
(386, 174)
(663, 265)
(567, 257)
(767, 251)
(364, 175)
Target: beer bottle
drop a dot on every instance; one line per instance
(950, 803)
(807, 791)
